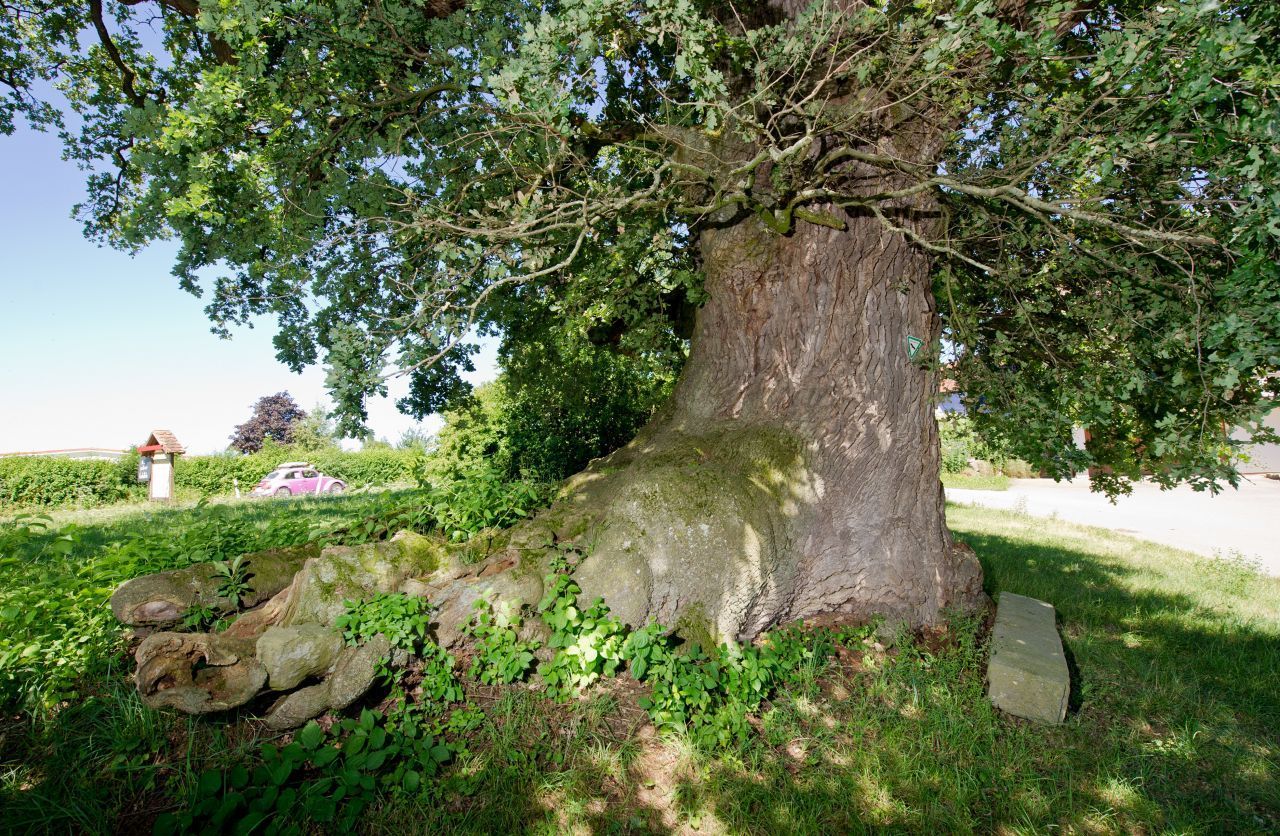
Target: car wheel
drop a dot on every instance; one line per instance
(283, 492)
(337, 487)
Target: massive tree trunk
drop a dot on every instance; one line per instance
(796, 470)
(814, 333)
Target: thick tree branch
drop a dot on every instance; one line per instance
(128, 77)
(191, 9)
(1019, 198)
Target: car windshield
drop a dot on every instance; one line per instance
(275, 474)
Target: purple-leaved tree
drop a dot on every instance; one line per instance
(273, 417)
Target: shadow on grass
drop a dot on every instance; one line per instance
(1175, 726)
(1116, 630)
(1075, 698)
(1175, 723)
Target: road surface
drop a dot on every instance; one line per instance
(1243, 521)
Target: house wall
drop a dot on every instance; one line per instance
(1263, 458)
(950, 404)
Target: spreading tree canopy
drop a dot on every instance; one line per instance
(1073, 205)
(385, 177)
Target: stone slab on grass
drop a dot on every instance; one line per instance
(1027, 675)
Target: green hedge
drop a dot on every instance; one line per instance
(367, 467)
(50, 482)
(212, 475)
(961, 443)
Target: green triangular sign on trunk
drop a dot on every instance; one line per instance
(914, 344)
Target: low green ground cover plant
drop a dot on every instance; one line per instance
(471, 500)
(501, 656)
(709, 694)
(586, 643)
(403, 619)
(233, 579)
(319, 779)
(706, 693)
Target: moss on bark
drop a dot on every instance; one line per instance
(694, 529)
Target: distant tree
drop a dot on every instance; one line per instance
(474, 433)
(274, 417)
(314, 431)
(415, 437)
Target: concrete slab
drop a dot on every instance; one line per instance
(1027, 675)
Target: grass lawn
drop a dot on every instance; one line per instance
(993, 482)
(108, 522)
(1174, 727)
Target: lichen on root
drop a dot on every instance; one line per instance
(695, 530)
(291, 639)
(162, 598)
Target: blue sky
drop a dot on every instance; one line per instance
(97, 347)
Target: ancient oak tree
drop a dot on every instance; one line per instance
(1071, 204)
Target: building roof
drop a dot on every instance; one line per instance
(71, 452)
(163, 440)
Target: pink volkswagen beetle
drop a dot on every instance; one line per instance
(292, 478)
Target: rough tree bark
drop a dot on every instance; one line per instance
(812, 333)
(796, 470)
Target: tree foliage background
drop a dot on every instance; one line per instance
(389, 178)
(555, 408)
